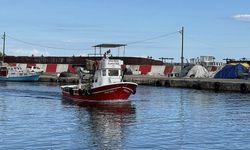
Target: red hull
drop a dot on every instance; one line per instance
(109, 93)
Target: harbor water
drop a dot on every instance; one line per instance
(35, 116)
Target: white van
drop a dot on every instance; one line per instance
(35, 69)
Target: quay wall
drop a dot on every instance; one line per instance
(234, 85)
(216, 85)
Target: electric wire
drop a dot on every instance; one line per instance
(62, 48)
(153, 38)
(43, 46)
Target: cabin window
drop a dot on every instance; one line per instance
(103, 72)
(113, 72)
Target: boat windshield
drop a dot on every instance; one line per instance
(113, 72)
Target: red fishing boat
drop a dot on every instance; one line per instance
(107, 84)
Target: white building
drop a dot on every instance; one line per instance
(206, 61)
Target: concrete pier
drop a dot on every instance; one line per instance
(234, 85)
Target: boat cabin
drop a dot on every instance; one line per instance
(109, 71)
(9, 71)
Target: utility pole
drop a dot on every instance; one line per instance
(182, 47)
(3, 46)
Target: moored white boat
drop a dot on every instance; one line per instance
(9, 73)
(13, 73)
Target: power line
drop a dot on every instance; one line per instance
(153, 38)
(62, 48)
(43, 46)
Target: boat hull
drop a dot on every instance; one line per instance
(21, 78)
(118, 92)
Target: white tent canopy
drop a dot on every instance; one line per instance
(198, 71)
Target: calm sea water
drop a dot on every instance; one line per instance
(35, 116)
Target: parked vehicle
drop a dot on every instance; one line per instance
(35, 69)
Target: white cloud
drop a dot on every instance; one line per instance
(27, 52)
(242, 17)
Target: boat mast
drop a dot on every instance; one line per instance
(4, 36)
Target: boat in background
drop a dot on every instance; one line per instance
(10, 73)
(106, 86)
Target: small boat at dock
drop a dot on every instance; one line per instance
(10, 73)
(106, 86)
(14, 73)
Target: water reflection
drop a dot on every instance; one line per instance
(107, 122)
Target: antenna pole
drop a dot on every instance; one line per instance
(4, 36)
(182, 47)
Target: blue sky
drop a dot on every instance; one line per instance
(216, 27)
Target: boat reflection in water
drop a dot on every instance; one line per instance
(107, 124)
